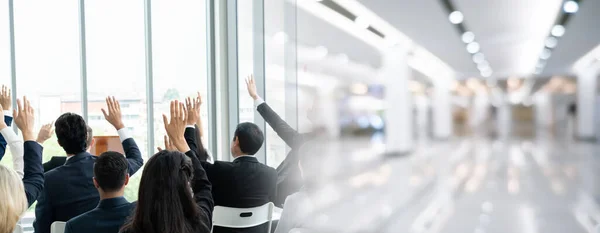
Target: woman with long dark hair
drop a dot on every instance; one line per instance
(174, 194)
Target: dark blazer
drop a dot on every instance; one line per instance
(3, 143)
(289, 179)
(33, 178)
(108, 217)
(54, 162)
(243, 183)
(71, 191)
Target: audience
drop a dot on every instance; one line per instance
(71, 190)
(289, 180)
(110, 179)
(243, 183)
(7, 135)
(57, 161)
(174, 194)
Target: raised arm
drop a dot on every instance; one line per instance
(175, 129)
(33, 179)
(290, 136)
(192, 136)
(132, 151)
(5, 104)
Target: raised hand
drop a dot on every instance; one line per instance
(168, 145)
(5, 100)
(45, 133)
(193, 109)
(24, 118)
(251, 86)
(113, 116)
(176, 126)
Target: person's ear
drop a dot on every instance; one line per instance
(96, 183)
(126, 180)
(236, 142)
(92, 143)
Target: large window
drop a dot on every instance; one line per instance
(116, 66)
(179, 47)
(245, 58)
(47, 60)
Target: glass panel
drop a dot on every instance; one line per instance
(245, 58)
(47, 60)
(116, 66)
(179, 47)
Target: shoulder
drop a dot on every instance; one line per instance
(82, 219)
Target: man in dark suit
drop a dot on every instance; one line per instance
(243, 183)
(57, 161)
(110, 178)
(289, 179)
(70, 190)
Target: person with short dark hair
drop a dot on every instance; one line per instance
(110, 178)
(174, 194)
(57, 161)
(242, 183)
(70, 188)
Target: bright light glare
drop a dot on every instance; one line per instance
(478, 58)
(280, 37)
(571, 7)
(468, 37)
(545, 54)
(361, 22)
(551, 42)
(321, 52)
(456, 17)
(473, 47)
(558, 30)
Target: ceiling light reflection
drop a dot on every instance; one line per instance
(468, 37)
(478, 58)
(571, 7)
(473, 47)
(558, 30)
(546, 53)
(456, 17)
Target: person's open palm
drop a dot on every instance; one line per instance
(193, 110)
(45, 133)
(175, 127)
(5, 99)
(251, 86)
(24, 118)
(113, 114)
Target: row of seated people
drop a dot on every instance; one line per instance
(87, 191)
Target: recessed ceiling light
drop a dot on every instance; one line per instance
(558, 30)
(361, 22)
(473, 47)
(571, 6)
(483, 66)
(478, 58)
(551, 42)
(456, 17)
(468, 37)
(545, 54)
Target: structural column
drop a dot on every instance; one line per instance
(586, 104)
(441, 106)
(395, 73)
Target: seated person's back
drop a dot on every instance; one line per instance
(69, 189)
(110, 179)
(243, 183)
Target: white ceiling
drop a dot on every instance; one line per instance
(510, 32)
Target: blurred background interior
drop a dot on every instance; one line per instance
(442, 115)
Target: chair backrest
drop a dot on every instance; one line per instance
(242, 217)
(57, 227)
(18, 229)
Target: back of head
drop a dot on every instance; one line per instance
(165, 200)
(71, 131)
(250, 137)
(13, 201)
(110, 171)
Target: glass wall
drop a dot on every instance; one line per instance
(245, 58)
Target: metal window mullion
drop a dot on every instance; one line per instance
(258, 38)
(211, 73)
(149, 75)
(83, 61)
(291, 64)
(13, 64)
(232, 72)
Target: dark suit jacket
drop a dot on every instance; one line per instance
(54, 162)
(243, 183)
(33, 178)
(70, 190)
(289, 179)
(3, 143)
(108, 217)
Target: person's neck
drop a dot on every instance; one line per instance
(239, 155)
(109, 195)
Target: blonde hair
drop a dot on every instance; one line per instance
(14, 201)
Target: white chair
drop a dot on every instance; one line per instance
(243, 217)
(57, 227)
(18, 229)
